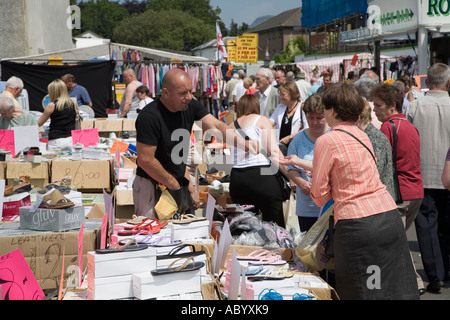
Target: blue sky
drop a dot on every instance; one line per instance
(248, 10)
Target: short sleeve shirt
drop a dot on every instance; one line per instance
(170, 132)
(81, 94)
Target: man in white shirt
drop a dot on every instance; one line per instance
(268, 96)
(239, 89)
(303, 85)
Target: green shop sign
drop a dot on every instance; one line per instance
(438, 7)
(398, 16)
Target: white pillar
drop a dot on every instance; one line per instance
(423, 51)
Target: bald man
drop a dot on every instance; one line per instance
(7, 119)
(130, 101)
(163, 133)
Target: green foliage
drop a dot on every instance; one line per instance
(167, 29)
(235, 30)
(293, 48)
(101, 17)
(200, 9)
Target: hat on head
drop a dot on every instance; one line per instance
(301, 75)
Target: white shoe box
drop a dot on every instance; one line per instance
(190, 231)
(110, 288)
(102, 265)
(148, 286)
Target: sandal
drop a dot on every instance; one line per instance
(136, 220)
(174, 252)
(130, 245)
(188, 265)
(143, 228)
(55, 200)
(263, 256)
(187, 218)
(274, 273)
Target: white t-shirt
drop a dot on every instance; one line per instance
(144, 102)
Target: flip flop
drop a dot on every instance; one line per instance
(174, 252)
(275, 273)
(155, 240)
(188, 265)
(131, 245)
(187, 218)
(136, 220)
(263, 256)
(253, 269)
(143, 228)
(55, 200)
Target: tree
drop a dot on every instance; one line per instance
(200, 9)
(166, 29)
(101, 17)
(293, 48)
(133, 6)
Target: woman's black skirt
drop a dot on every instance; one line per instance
(372, 259)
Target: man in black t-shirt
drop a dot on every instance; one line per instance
(163, 130)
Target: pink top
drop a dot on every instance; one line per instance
(345, 171)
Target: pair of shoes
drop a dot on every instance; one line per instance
(147, 226)
(435, 286)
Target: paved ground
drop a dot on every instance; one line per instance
(413, 245)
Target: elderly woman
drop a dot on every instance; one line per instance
(252, 178)
(303, 147)
(381, 146)
(288, 117)
(62, 111)
(371, 254)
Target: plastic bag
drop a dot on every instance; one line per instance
(166, 206)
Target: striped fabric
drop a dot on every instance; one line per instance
(345, 171)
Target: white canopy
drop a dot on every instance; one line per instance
(104, 50)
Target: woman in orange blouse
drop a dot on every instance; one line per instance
(371, 255)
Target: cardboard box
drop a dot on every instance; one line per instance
(87, 124)
(121, 263)
(12, 204)
(124, 202)
(86, 174)
(190, 231)
(38, 172)
(107, 125)
(3, 166)
(52, 219)
(148, 286)
(110, 288)
(43, 251)
(129, 125)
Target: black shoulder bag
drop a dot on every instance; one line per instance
(398, 195)
(282, 180)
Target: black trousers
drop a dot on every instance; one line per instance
(249, 186)
(433, 233)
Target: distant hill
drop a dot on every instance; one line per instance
(260, 20)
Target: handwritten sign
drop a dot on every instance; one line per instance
(87, 137)
(16, 278)
(7, 141)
